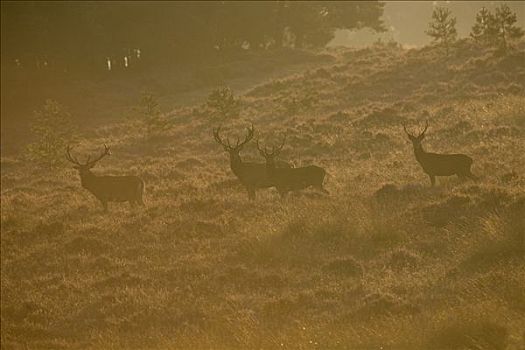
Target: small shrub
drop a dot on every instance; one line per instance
(295, 104)
(382, 304)
(344, 266)
(223, 104)
(402, 258)
(441, 214)
(154, 121)
(471, 335)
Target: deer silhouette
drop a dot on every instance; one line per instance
(435, 164)
(291, 179)
(252, 176)
(108, 188)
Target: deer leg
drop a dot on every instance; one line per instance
(139, 199)
(471, 176)
(251, 194)
(105, 205)
(322, 189)
(432, 179)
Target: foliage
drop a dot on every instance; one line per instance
(505, 20)
(496, 29)
(53, 129)
(154, 121)
(187, 28)
(223, 104)
(443, 27)
(484, 29)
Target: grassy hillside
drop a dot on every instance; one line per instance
(383, 262)
(98, 97)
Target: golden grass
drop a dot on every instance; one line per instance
(384, 261)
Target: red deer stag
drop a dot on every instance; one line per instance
(293, 179)
(435, 164)
(108, 188)
(251, 175)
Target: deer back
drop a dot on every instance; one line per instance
(444, 164)
(255, 174)
(297, 178)
(114, 188)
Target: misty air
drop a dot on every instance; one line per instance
(263, 175)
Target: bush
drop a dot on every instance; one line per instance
(223, 104)
(53, 130)
(470, 335)
(154, 121)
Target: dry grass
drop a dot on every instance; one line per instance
(385, 261)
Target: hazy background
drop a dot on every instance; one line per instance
(406, 21)
(384, 261)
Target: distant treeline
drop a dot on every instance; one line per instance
(82, 32)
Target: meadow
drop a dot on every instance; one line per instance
(385, 261)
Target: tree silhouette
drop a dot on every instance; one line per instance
(496, 29)
(484, 29)
(82, 32)
(507, 31)
(443, 27)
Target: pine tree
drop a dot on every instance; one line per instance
(496, 29)
(507, 31)
(484, 29)
(443, 27)
(224, 104)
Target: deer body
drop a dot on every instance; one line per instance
(295, 179)
(435, 164)
(108, 188)
(252, 176)
(114, 188)
(292, 179)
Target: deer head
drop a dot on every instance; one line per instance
(270, 156)
(416, 140)
(235, 149)
(84, 168)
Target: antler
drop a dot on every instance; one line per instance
(247, 139)
(425, 130)
(219, 140)
(238, 144)
(405, 128)
(275, 152)
(106, 152)
(88, 163)
(264, 152)
(280, 147)
(70, 157)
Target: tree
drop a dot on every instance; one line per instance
(151, 115)
(223, 104)
(443, 27)
(507, 31)
(81, 33)
(496, 29)
(53, 130)
(484, 29)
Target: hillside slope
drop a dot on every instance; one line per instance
(97, 97)
(384, 261)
